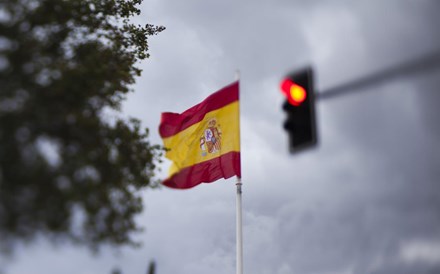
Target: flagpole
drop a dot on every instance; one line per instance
(239, 231)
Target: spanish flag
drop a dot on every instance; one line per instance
(204, 141)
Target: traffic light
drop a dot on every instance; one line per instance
(300, 108)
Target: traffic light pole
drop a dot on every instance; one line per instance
(419, 65)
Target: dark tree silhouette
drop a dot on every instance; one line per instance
(67, 170)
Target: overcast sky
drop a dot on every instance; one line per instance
(365, 200)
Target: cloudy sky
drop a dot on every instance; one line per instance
(365, 200)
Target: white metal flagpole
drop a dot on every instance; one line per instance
(239, 231)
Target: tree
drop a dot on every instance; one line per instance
(66, 169)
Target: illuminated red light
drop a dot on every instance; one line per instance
(294, 93)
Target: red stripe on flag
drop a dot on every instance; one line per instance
(225, 166)
(173, 123)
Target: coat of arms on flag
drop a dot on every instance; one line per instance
(210, 142)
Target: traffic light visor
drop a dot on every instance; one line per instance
(294, 93)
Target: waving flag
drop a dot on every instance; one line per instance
(204, 141)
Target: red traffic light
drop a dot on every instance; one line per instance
(294, 93)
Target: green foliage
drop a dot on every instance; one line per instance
(65, 169)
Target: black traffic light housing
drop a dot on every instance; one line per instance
(301, 122)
